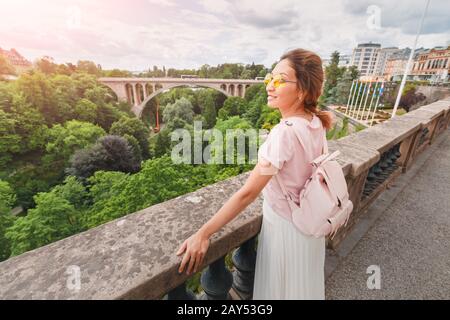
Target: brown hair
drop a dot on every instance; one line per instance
(309, 73)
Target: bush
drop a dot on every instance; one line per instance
(110, 153)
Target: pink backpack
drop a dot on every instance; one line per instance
(324, 199)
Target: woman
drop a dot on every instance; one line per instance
(289, 264)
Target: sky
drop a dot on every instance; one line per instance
(138, 34)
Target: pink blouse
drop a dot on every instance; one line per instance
(281, 153)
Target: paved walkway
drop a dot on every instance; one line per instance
(406, 233)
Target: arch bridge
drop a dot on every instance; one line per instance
(138, 91)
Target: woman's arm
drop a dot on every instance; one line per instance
(197, 245)
(237, 203)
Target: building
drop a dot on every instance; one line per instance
(383, 55)
(371, 60)
(433, 65)
(365, 57)
(375, 63)
(395, 64)
(19, 63)
(344, 61)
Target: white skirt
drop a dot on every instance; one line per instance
(289, 264)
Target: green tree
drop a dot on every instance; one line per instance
(209, 111)
(7, 200)
(233, 106)
(64, 88)
(332, 74)
(107, 114)
(110, 153)
(46, 65)
(98, 95)
(27, 179)
(63, 141)
(204, 71)
(234, 122)
(66, 69)
(54, 218)
(86, 110)
(9, 139)
(74, 135)
(269, 118)
(253, 112)
(159, 180)
(203, 98)
(161, 143)
(83, 82)
(255, 90)
(354, 73)
(26, 120)
(342, 89)
(103, 186)
(135, 147)
(135, 128)
(257, 99)
(5, 66)
(89, 67)
(175, 94)
(34, 130)
(181, 109)
(117, 73)
(40, 94)
(74, 191)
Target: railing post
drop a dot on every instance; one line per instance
(424, 135)
(216, 281)
(244, 259)
(181, 293)
(397, 152)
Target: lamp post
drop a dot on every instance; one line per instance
(408, 65)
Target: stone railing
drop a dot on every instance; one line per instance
(134, 257)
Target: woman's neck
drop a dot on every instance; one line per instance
(299, 111)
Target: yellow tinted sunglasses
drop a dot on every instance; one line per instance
(278, 81)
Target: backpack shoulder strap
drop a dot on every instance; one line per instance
(324, 138)
(325, 142)
(324, 152)
(289, 124)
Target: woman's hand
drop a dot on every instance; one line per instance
(196, 247)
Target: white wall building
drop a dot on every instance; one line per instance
(365, 57)
(383, 56)
(395, 64)
(344, 61)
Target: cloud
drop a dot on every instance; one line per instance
(187, 34)
(166, 3)
(406, 14)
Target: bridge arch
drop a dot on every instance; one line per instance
(149, 89)
(137, 109)
(138, 91)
